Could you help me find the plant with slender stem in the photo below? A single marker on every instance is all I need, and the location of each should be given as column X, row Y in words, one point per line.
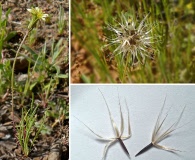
column 37, row 15
column 118, row 134
column 158, row 135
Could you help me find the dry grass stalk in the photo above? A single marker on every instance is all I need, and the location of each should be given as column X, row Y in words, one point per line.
column 158, row 135
column 118, row 134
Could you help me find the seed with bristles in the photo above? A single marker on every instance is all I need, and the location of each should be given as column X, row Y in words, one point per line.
column 159, row 135
column 119, row 135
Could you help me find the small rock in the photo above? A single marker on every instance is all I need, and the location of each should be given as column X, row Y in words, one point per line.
column 14, row 117
column 3, row 128
column 22, row 77
column 2, row 135
column 54, row 156
column 7, row 136
column 8, row 145
column 37, row 158
column 9, row 125
column 45, row 158
column 18, row 151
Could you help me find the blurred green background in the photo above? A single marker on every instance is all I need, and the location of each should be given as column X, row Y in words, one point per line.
column 174, row 61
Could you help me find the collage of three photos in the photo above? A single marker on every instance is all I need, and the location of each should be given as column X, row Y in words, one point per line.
column 97, row 79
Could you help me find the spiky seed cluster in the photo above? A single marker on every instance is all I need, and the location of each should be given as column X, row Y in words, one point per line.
column 131, row 38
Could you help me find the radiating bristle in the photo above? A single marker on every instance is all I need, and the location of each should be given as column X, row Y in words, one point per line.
column 158, row 135
column 118, row 133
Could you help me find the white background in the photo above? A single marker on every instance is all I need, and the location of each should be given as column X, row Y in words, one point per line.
column 144, row 103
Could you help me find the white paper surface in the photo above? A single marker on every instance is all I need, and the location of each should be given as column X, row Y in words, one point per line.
column 144, row 103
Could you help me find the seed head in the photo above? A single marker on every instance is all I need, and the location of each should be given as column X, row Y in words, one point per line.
column 37, row 15
column 131, row 38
